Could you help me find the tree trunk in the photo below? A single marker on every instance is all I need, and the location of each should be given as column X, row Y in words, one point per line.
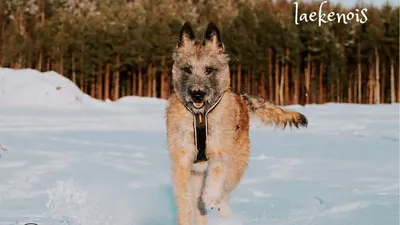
column 246, row 80
column 377, row 77
column 262, row 86
column 359, row 75
column 168, row 87
column 270, row 75
column 2, row 23
column 99, row 86
column 349, row 86
column 332, row 92
column 276, row 79
column 40, row 61
column 42, row 12
column 86, row 85
column 392, row 85
column 48, row 64
column 123, row 91
column 253, row 83
column 127, row 85
column 154, row 80
column 62, row 64
column 312, row 82
column 281, row 86
column 296, row 79
column 29, row 60
column 355, row 89
column 239, row 77
column 248, row 85
column 371, row 85
column 82, row 82
column 286, row 79
column 42, row 8
column 93, row 85
column 338, row 92
column 383, row 82
column 107, row 82
column 163, row 82
column 20, row 20
column 116, row 78
column 321, row 84
column 307, row 77
column 149, row 83
column 134, row 83
column 140, row 79
column 398, row 82
column 73, row 67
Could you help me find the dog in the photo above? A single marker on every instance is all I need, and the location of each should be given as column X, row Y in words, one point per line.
column 208, row 126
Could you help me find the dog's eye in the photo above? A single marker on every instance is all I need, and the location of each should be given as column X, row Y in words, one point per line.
column 187, row 69
column 210, row 70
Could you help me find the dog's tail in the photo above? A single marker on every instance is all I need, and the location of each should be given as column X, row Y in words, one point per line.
column 269, row 113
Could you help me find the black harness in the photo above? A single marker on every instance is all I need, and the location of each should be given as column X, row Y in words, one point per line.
column 201, row 131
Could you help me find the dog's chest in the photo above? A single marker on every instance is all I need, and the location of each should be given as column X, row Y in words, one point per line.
column 216, row 128
column 200, row 167
column 206, row 146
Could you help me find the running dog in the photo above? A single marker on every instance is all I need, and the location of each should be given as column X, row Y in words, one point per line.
column 208, row 126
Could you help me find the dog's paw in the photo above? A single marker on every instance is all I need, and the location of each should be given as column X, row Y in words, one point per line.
column 224, row 209
column 211, row 200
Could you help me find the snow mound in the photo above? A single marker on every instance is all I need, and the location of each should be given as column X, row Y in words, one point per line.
column 27, row 87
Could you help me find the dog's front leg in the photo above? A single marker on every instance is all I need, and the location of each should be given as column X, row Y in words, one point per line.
column 180, row 177
column 215, row 180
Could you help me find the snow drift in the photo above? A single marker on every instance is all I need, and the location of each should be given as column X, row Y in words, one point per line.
column 29, row 87
column 107, row 163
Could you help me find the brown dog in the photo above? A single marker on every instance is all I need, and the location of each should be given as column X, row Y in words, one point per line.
column 208, row 126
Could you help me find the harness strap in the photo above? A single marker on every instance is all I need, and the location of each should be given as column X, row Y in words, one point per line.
column 201, row 131
column 200, row 135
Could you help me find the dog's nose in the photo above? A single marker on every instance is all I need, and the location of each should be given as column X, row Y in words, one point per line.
column 197, row 95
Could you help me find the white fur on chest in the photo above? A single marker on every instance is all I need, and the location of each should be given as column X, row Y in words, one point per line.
column 200, row 167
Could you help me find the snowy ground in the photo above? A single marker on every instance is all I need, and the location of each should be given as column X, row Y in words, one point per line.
column 77, row 161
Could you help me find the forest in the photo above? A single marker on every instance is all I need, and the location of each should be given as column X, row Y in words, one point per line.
column 117, row 48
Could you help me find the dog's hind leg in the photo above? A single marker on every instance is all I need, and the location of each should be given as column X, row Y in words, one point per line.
column 197, row 187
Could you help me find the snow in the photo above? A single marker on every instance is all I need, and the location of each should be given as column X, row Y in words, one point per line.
column 31, row 88
column 74, row 160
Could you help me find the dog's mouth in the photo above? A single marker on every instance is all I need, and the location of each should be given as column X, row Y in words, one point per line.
column 198, row 105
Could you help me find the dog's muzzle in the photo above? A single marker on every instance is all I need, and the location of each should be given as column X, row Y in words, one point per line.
column 198, row 98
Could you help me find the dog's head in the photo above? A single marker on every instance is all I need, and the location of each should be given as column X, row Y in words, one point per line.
column 200, row 72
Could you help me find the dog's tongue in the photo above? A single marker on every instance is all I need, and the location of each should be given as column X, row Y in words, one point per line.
column 198, row 104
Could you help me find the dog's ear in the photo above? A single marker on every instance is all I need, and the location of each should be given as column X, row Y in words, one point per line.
column 212, row 36
column 185, row 35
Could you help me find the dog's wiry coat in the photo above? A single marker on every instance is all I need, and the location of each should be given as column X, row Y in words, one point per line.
column 200, row 78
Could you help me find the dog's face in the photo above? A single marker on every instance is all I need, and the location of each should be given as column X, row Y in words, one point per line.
column 200, row 72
